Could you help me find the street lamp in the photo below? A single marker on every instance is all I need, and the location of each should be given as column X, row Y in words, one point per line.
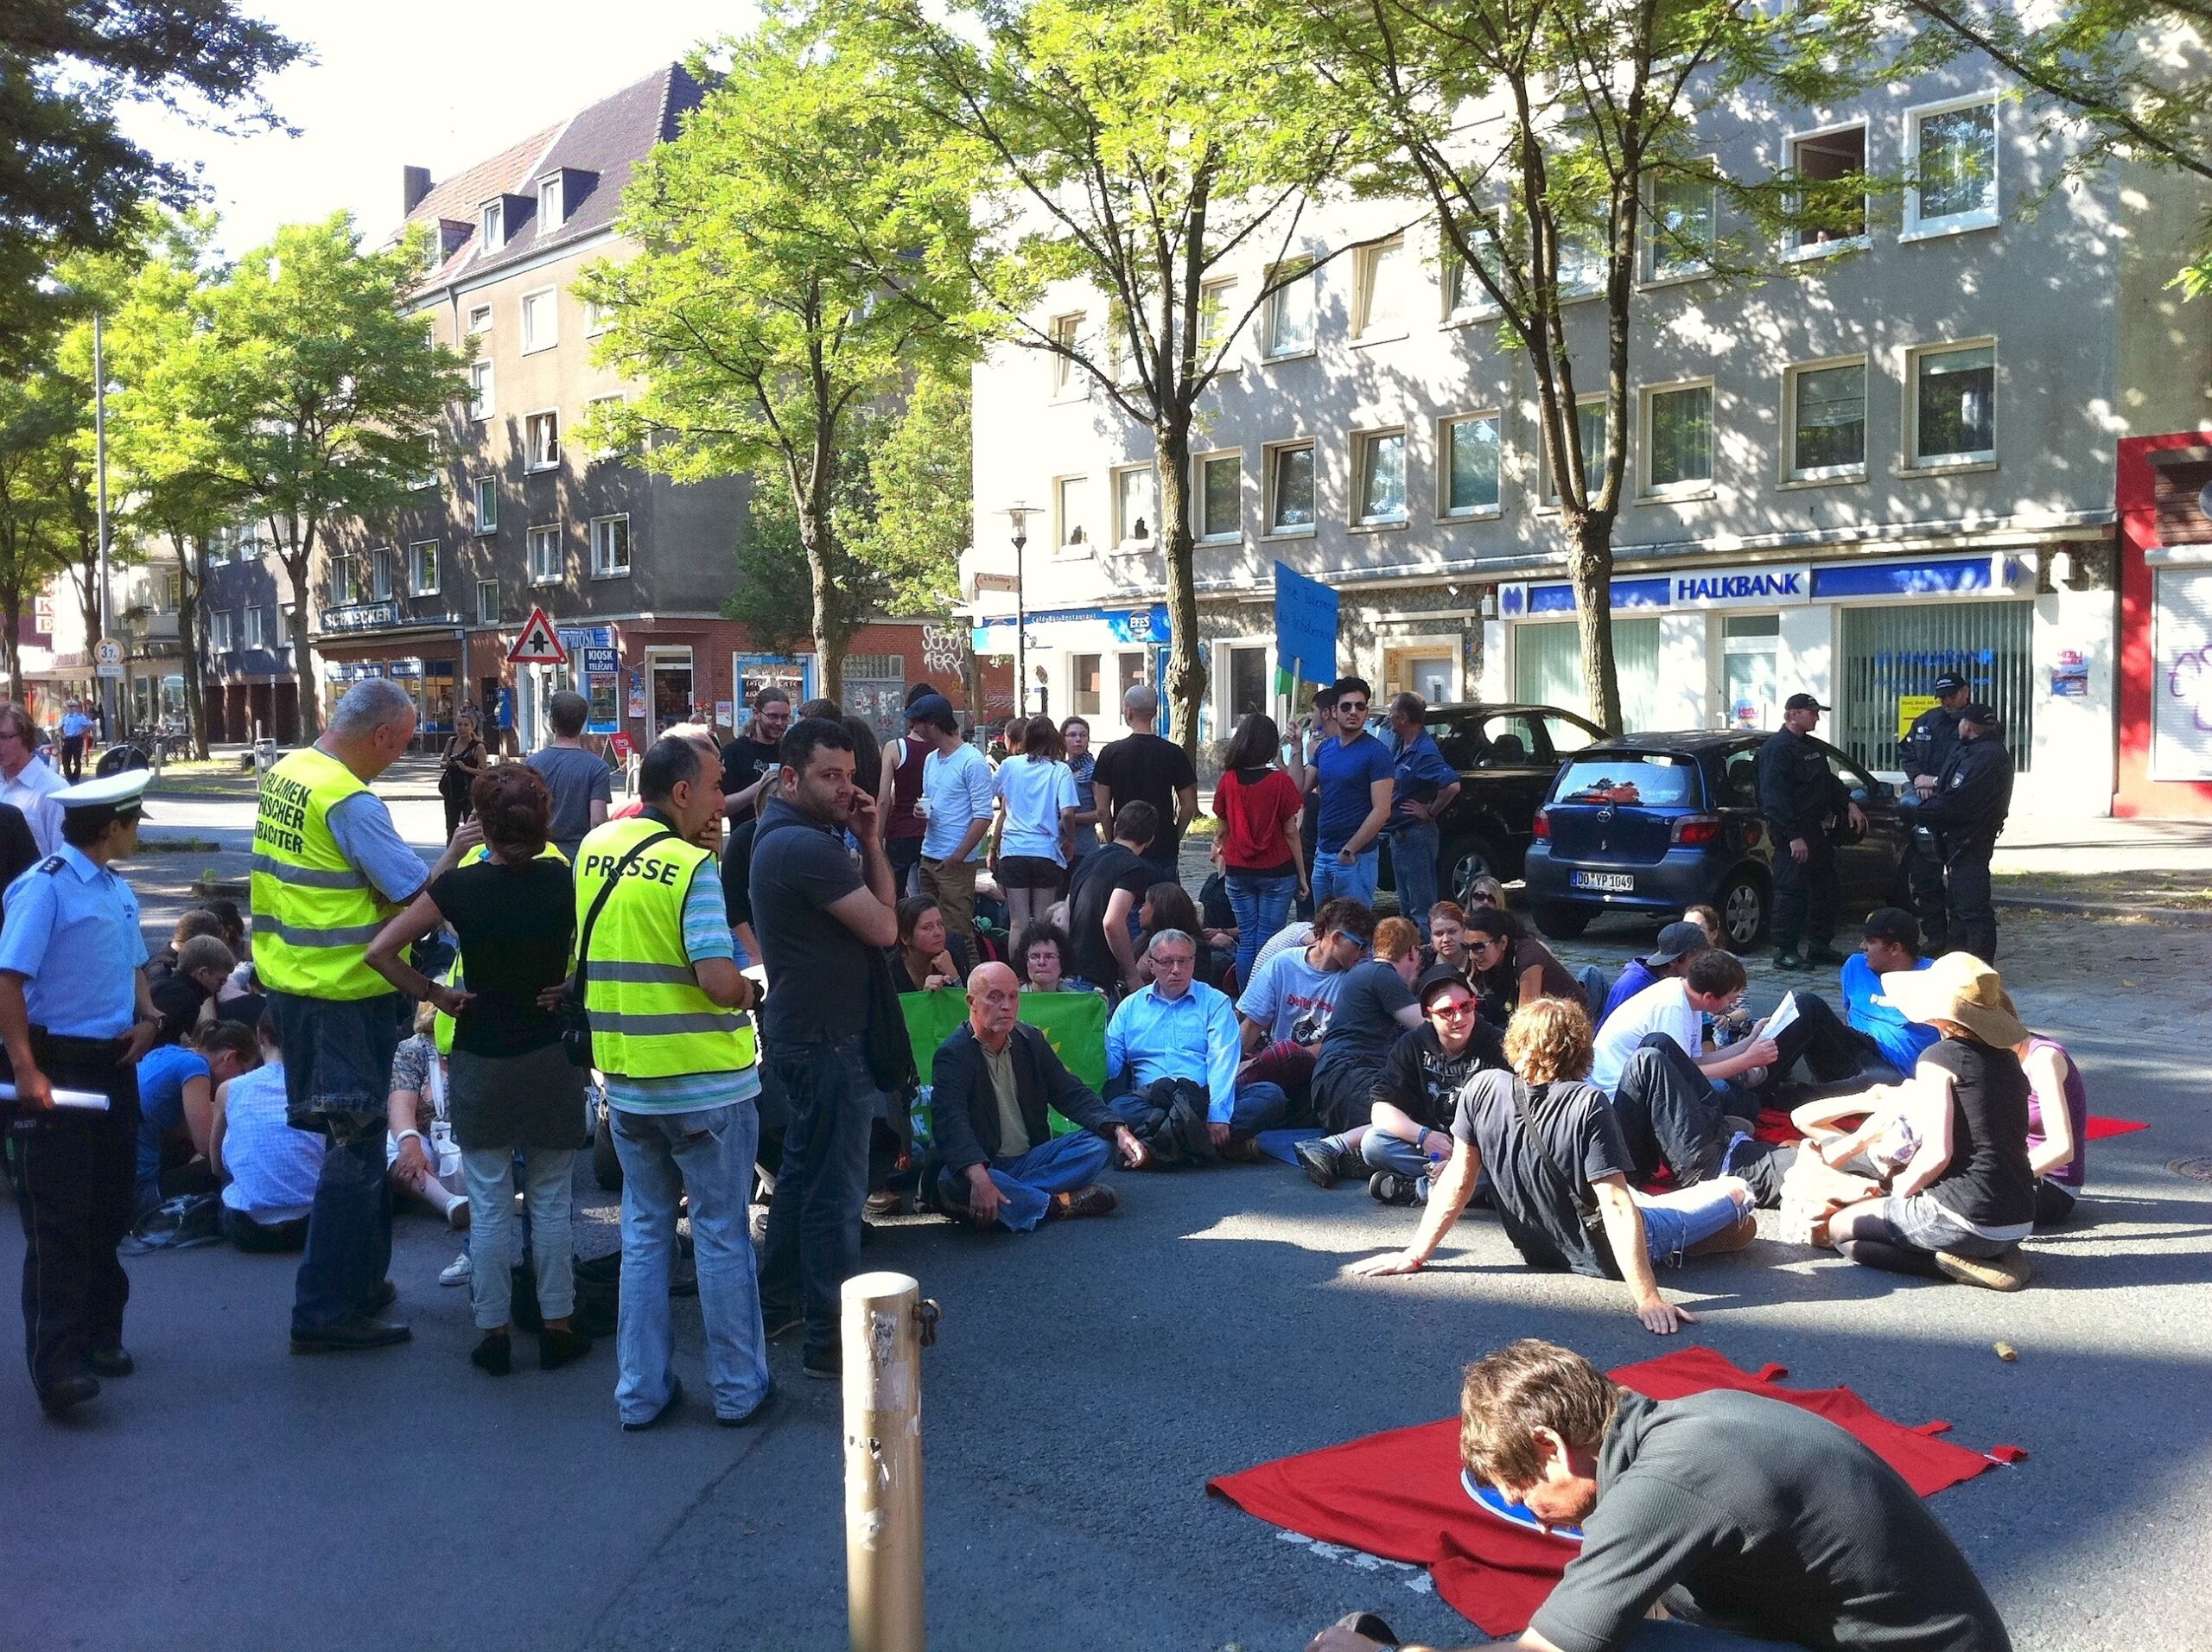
column 1018, row 518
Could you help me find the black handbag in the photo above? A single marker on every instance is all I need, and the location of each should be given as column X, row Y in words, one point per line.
column 576, row 1025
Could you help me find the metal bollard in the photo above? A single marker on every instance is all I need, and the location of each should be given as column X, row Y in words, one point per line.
column 885, row 1325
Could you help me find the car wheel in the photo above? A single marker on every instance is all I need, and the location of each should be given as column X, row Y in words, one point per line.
column 1744, row 911
column 1467, row 859
column 606, row 1168
column 1562, row 922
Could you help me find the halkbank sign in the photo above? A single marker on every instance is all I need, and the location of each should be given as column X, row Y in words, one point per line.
column 1763, row 587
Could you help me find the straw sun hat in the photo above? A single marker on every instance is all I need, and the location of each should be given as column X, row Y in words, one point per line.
column 1960, row 987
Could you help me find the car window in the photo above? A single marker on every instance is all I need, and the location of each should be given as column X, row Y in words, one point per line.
column 1513, row 741
column 1460, row 740
column 1740, row 778
column 1854, row 778
column 1652, row 779
column 1567, row 736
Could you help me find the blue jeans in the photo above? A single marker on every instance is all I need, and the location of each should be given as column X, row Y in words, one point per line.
column 549, row 1193
column 1380, row 1150
column 813, row 1243
column 1028, row 1181
column 349, row 1226
column 1262, row 906
column 1413, row 864
column 708, row 1154
column 1689, row 1215
column 1332, row 877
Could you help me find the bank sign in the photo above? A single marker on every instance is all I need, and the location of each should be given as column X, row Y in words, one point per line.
column 1704, row 587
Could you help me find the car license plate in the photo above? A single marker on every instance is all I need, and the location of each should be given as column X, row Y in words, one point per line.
column 1613, row 883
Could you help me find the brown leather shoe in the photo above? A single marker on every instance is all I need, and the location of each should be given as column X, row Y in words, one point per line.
column 1097, row 1199
column 1241, row 1150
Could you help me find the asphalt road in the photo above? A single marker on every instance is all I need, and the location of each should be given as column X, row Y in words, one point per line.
column 1088, row 1379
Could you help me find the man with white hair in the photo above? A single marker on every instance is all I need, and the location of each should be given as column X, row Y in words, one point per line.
column 328, row 868
column 1173, row 1052
column 1141, row 767
column 26, row 782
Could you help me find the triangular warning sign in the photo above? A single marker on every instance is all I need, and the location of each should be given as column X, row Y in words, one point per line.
column 539, row 643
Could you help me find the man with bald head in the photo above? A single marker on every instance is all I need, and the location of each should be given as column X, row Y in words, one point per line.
column 996, row 1160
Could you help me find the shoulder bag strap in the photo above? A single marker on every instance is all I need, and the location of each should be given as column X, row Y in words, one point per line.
column 599, row 904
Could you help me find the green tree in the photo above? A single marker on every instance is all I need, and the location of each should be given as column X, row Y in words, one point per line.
column 788, row 280
column 772, row 596
column 1135, row 147
column 38, row 425
column 70, row 180
column 320, row 394
column 920, row 496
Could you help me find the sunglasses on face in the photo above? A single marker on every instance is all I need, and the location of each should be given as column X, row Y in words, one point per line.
column 1454, row 1009
column 1484, row 945
column 1351, row 708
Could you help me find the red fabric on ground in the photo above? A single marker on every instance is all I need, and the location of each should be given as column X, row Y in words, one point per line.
column 2099, row 1128
column 1774, row 1126
column 1398, row 1494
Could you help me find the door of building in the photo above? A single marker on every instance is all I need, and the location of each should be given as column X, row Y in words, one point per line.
column 1750, row 648
column 669, row 686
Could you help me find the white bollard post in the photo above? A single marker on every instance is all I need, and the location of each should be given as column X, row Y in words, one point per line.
column 885, row 1325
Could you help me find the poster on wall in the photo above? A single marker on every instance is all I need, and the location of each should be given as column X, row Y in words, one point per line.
column 2181, row 680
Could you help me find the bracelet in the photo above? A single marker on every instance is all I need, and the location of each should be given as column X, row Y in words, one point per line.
column 403, row 1134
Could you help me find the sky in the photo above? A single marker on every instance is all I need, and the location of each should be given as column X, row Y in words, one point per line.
column 435, row 83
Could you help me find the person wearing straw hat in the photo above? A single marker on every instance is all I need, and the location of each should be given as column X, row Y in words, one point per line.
column 1961, row 1206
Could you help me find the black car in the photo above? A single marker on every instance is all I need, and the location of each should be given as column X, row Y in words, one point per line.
column 1656, row 823
column 1506, row 756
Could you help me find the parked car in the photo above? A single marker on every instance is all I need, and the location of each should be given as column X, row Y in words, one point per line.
column 1507, row 756
column 1656, row 823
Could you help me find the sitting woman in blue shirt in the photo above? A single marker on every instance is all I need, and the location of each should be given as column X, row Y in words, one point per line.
column 176, row 1109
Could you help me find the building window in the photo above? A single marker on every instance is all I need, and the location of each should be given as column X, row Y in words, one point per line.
column 422, row 567
column 1464, row 293
column 1379, row 290
column 1136, row 506
column 480, row 390
column 544, row 556
column 610, row 548
column 480, row 320
column 487, row 602
column 1083, row 683
column 1213, row 314
column 1954, row 404
column 542, row 440
column 1581, row 261
column 484, row 499
column 541, row 319
column 598, row 317
column 1678, row 440
column 219, row 631
column 1221, row 506
column 1290, row 488
column 345, row 579
column 549, row 203
column 257, row 627
column 1590, row 431
column 1471, row 447
column 595, row 413
column 1288, row 313
column 1827, row 419
column 381, row 574
column 1379, row 458
column 1951, row 169
column 492, row 220
column 1684, row 229
column 1063, row 329
column 427, row 477
column 1071, row 516
column 1829, row 157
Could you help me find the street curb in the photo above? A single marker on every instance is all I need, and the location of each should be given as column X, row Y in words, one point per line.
column 2185, row 918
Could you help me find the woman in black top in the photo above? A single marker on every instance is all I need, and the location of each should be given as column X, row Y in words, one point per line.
column 1168, row 905
column 465, row 761
column 1511, row 967
column 512, row 1087
column 927, row 956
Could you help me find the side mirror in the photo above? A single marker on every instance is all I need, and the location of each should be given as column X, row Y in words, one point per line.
column 1859, row 794
column 1886, row 791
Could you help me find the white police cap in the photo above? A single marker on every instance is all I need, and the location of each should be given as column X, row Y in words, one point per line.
column 122, row 792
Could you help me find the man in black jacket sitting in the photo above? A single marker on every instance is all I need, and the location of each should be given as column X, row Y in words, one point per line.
column 998, row 1159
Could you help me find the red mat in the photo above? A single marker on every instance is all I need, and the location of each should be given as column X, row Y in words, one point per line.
column 1398, row 1494
column 2099, row 1128
column 1774, row 1126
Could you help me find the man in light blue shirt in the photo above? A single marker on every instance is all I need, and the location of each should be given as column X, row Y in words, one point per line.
column 958, row 794
column 1423, row 786
column 1173, row 1052
column 75, row 726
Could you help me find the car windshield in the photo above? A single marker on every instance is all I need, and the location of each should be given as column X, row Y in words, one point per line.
column 1647, row 778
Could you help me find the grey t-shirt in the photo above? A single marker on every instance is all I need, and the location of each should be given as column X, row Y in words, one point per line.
column 1755, row 1515
column 576, row 779
column 362, row 827
column 817, row 968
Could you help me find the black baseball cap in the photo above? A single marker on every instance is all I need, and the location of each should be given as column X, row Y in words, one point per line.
column 1802, row 702
column 1434, row 979
column 1674, row 940
column 1949, row 683
column 1894, row 923
column 1980, row 712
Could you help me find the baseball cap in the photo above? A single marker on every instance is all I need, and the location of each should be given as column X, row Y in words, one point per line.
column 1980, row 712
column 1893, row 923
column 1435, row 977
column 1949, row 683
column 932, row 709
column 1675, row 941
column 1802, row 702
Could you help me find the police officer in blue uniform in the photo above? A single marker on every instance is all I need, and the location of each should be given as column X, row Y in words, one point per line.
column 1927, row 746
column 75, row 1015
column 1966, row 812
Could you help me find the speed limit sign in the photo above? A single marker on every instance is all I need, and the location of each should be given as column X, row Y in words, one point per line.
column 107, row 658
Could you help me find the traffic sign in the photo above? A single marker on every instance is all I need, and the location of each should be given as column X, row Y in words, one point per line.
column 539, row 643
column 107, row 658
column 1004, row 583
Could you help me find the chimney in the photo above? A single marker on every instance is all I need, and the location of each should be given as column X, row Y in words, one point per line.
column 414, row 184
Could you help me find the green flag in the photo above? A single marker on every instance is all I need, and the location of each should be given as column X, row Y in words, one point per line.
column 1074, row 1024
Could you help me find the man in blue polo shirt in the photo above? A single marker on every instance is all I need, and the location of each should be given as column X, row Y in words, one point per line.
column 1422, row 787
column 1891, row 947
column 1353, row 774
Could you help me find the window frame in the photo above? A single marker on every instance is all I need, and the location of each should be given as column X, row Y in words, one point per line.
column 1444, row 426
column 1363, row 444
column 379, row 563
column 531, row 463
column 1543, row 455
column 486, row 523
column 1475, row 303
column 530, row 345
column 1122, row 542
column 629, row 547
column 491, row 224
column 1368, row 265
column 549, row 188
column 1067, row 381
column 598, row 317
column 219, row 636
column 1271, row 467
column 1794, row 476
column 1801, row 251
column 1918, row 228
column 1309, row 276
column 1213, row 316
column 256, row 627
column 599, row 455
column 1912, row 461
column 1651, row 492
column 491, row 616
column 483, row 390
column 540, row 534
column 1061, row 547
column 414, row 582
column 1649, row 274
column 472, row 330
column 1198, row 463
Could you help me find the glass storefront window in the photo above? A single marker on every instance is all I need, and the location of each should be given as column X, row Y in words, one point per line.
column 1548, row 668
column 1895, row 652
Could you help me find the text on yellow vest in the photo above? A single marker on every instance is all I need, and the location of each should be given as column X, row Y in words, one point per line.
column 315, row 912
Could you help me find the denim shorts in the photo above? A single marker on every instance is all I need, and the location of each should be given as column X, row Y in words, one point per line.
column 1670, row 1229
column 1925, row 1222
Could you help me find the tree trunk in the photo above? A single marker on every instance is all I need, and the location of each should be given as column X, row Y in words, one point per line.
column 11, row 647
column 296, row 567
column 1186, row 667
column 815, row 532
column 187, row 630
column 1590, row 566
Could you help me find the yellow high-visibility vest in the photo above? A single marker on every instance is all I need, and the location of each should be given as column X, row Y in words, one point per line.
column 315, row 912
column 649, row 1018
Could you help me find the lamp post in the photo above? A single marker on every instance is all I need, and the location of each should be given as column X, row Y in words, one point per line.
column 1017, row 517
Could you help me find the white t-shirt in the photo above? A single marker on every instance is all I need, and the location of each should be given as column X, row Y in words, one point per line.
column 1290, row 998
column 1034, row 791
column 1663, row 1007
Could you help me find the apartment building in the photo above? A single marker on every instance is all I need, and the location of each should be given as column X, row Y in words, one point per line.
column 514, row 513
column 1897, row 455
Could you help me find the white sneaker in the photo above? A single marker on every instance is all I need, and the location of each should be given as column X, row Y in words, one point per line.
column 457, row 1271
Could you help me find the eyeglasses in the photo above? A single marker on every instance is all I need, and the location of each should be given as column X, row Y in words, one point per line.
column 1484, row 945
column 1355, row 707
column 1455, row 1009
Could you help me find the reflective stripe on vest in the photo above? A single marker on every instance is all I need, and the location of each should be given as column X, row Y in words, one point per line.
column 314, row 912
column 649, row 1018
